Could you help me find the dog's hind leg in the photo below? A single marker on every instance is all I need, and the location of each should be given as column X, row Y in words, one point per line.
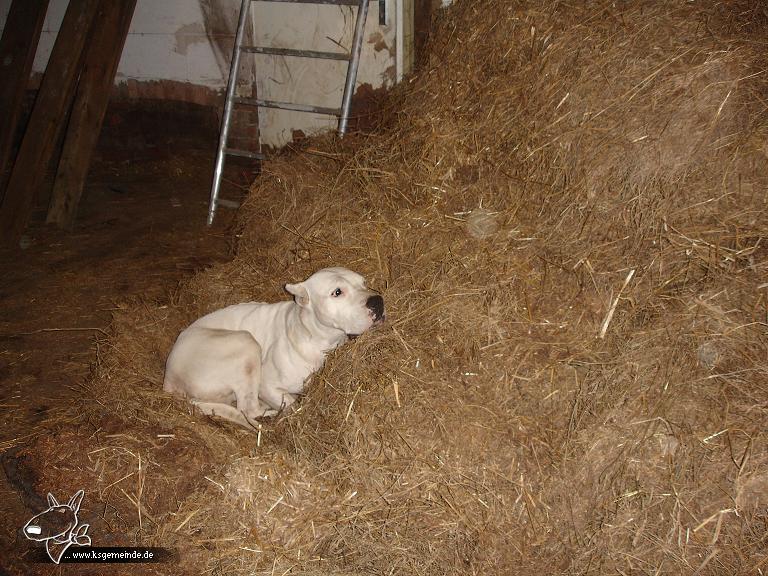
column 226, row 366
column 231, row 413
column 276, row 398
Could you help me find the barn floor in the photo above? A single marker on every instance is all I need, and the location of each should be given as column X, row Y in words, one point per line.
column 140, row 231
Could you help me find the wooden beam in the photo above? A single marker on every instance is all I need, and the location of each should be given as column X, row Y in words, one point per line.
column 17, row 52
column 48, row 117
column 100, row 65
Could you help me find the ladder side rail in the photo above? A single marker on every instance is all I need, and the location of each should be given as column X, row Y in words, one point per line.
column 354, row 63
column 228, row 102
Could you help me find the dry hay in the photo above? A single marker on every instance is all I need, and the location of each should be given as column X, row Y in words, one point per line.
column 566, row 213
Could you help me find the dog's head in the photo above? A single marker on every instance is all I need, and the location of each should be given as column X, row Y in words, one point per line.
column 56, row 522
column 339, row 299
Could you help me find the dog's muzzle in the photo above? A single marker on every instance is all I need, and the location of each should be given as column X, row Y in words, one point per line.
column 376, row 305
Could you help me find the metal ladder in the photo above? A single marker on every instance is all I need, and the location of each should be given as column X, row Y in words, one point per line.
column 343, row 113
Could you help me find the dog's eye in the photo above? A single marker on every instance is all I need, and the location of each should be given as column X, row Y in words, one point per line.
column 336, row 293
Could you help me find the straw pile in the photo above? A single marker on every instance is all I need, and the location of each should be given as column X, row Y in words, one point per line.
column 566, row 213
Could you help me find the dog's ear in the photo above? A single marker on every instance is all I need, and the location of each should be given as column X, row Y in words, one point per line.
column 76, row 500
column 300, row 293
column 52, row 500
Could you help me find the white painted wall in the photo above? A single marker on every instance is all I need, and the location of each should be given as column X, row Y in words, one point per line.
column 168, row 41
column 312, row 81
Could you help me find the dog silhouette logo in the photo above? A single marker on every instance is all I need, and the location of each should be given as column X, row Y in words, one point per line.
column 59, row 527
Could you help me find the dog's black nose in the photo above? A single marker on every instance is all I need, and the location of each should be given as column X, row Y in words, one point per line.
column 376, row 305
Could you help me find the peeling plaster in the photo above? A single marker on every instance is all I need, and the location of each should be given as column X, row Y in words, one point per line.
column 220, row 23
column 187, row 35
column 380, row 43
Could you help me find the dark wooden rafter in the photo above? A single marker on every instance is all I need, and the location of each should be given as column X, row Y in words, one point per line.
column 48, row 117
column 17, row 53
column 100, row 63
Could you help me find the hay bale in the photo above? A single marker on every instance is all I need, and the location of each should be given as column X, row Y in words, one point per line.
column 577, row 387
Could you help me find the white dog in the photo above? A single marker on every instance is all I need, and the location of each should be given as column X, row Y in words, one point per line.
column 259, row 355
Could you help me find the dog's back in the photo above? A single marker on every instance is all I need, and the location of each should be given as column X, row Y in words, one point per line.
column 230, row 318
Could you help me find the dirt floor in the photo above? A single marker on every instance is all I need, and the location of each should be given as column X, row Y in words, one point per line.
column 140, row 231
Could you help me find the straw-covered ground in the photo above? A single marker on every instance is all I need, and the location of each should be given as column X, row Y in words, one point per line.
column 565, row 211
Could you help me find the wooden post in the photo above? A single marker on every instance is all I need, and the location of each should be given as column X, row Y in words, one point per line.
column 48, row 117
column 17, row 52
column 100, row 65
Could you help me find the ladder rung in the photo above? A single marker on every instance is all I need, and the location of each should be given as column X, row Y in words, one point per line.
column 289, row 105
column 332, row 2
column 297, row 53
column 342, row 112
column 244, row 153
